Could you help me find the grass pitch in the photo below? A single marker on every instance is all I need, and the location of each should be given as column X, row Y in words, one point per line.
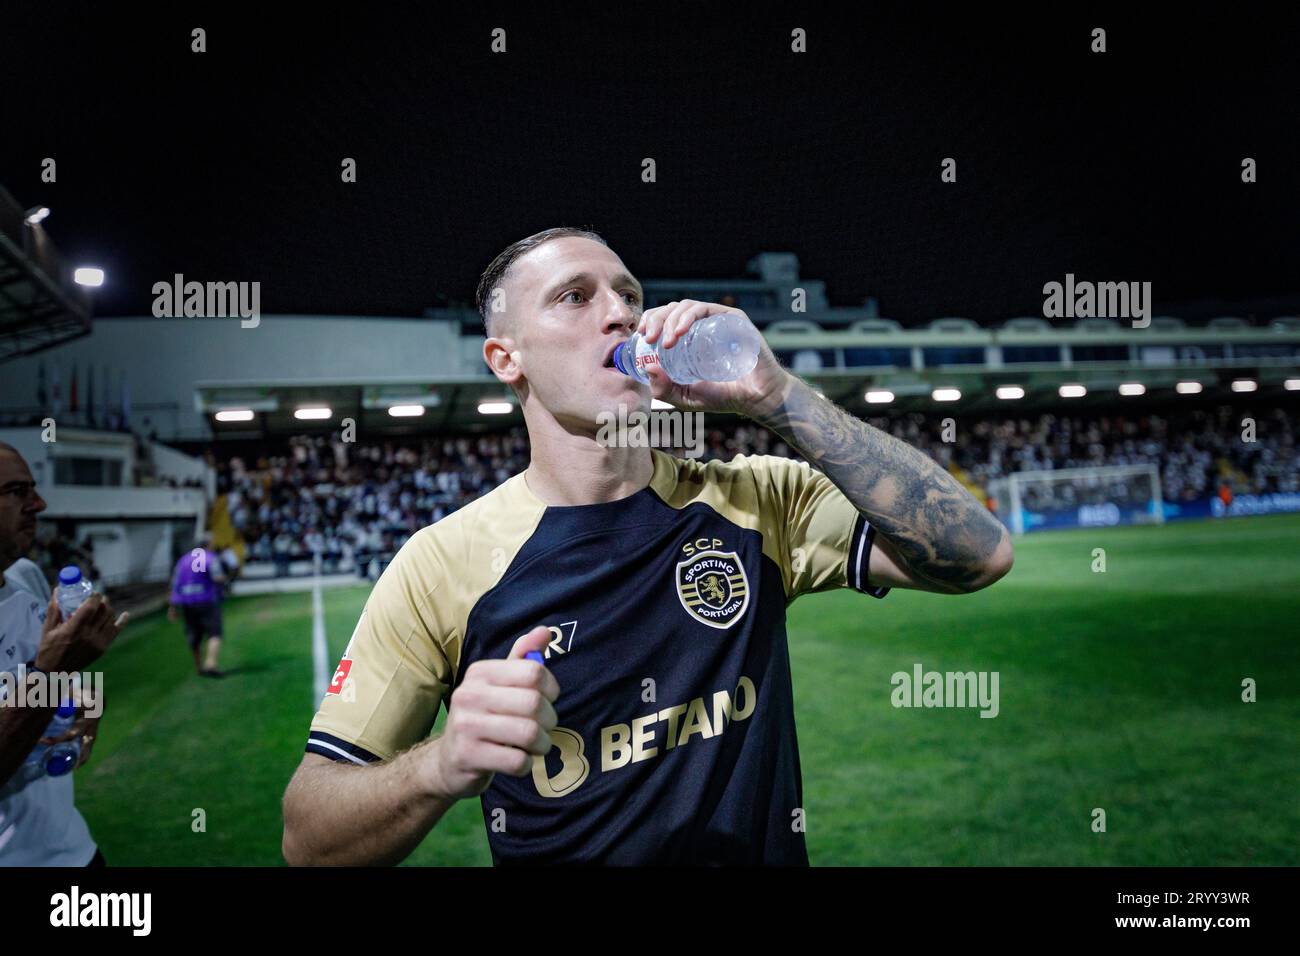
column 1119, row 690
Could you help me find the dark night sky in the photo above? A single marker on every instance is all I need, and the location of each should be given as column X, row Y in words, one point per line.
column 225, row 165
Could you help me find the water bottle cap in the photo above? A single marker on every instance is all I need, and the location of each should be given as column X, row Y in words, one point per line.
column 66, row 709
column 70, row 575
column 618, row 358
column 60, row 763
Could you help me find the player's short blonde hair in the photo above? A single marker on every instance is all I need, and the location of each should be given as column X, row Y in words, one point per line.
column 499, row 269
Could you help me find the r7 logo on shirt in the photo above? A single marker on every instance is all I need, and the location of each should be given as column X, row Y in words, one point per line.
column 561, row 638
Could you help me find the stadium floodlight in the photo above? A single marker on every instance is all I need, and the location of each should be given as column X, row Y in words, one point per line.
column 945, row 394
column 406, row 411
column 234, row 415
column 36, row 215
column 89, row 276
column 879, row 396
column 1008, row 392
column 1132, row 388
column 1244, row 385
column 312, row 412
column 1072, row 390
column 495, row 408
column 1292, row 384
column 1188, row 388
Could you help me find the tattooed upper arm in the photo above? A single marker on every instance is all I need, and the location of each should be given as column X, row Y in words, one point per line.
column 937, row 535
column 886, row 568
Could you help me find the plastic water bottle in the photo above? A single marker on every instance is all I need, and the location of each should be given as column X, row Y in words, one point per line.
column 54, row 760
column 60, row 758
column 73, row 590
column 717, row 348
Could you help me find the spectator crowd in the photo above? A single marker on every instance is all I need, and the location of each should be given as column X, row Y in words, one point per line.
column 355, row 504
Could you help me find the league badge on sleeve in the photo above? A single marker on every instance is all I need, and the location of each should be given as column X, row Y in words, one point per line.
column 340, row 676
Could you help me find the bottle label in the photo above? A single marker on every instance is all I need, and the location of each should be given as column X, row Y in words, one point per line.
column 645, row 356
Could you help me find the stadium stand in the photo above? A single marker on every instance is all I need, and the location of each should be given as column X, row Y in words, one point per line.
column 354, row 505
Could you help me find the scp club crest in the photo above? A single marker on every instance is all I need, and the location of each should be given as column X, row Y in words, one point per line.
column 713, row 588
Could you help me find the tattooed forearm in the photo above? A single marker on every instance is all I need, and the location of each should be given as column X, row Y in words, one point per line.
column 940, row 529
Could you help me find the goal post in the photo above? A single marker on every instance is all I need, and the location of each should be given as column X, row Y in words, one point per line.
column 1080, row 497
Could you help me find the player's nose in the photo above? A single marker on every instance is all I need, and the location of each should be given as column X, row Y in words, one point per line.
column 621, row 315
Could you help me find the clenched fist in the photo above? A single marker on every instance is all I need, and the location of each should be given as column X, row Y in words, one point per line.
column 499, row 719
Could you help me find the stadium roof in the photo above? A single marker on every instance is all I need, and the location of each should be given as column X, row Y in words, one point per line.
column 40, row 305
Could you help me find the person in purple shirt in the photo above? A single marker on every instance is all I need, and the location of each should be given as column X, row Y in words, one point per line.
column 196, row 594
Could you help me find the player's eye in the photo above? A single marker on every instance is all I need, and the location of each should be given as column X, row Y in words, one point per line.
column 566, row 295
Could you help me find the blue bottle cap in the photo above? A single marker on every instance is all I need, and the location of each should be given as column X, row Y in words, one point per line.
column 618, row 358
column 536, row 656
column 66, row 709
column 70, row 575
column 60, row 763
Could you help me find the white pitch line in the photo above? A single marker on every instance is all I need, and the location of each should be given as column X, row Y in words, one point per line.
column 319, row 651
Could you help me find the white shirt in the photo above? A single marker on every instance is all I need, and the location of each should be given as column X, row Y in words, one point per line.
column 39, row 825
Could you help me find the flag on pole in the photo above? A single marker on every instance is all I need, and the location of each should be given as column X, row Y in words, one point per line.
column 57, row 405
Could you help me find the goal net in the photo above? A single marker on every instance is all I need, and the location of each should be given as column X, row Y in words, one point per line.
column 1080, row 497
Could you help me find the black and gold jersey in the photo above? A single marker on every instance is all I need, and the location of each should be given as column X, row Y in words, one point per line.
column 676, row 739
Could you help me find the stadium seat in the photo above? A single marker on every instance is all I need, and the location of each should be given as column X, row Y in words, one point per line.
column 887, row 326
column 793, row 326
column 954, row 326
column 1167, row 323
column 1227, row 323
column 1027, row 323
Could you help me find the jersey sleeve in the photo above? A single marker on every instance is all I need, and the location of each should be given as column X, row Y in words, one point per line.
column 823, row 541
column 385, row 693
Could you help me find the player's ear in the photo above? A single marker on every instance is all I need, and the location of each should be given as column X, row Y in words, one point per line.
column 502, row 357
